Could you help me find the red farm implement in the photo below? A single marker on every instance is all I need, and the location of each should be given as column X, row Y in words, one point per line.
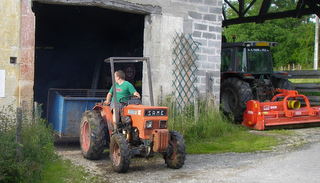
column 286, row 108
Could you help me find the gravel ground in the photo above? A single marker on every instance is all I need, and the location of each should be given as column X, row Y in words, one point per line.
column 296, row 160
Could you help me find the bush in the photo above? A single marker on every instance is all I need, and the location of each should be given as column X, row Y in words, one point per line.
column 36, row 151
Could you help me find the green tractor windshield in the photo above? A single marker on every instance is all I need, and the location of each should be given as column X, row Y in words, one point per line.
column 246, row 59
column 259, row 60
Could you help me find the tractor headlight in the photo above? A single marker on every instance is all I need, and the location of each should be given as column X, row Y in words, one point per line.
column 149, row 124
column 163, row 124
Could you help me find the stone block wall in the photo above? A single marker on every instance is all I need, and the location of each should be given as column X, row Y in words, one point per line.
column 200, row 18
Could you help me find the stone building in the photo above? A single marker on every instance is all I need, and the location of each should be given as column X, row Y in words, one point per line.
column 58, row 43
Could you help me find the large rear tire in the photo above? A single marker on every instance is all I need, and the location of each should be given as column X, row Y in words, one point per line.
column 175, row 155
column 234, row 95
column 119, row 153
column 92, row 135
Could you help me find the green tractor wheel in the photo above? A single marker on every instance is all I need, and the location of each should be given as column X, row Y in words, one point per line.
column 234, row 95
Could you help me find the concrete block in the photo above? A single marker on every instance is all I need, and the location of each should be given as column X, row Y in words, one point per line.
column 215, row 43
column 219, row 37
column 197, row 34
column 210, row 17
column 200, row 26
column 203, row 9
column 196, row 1
column 215, row 29
column 215, row 10
column 218, row 66
column 201, row 72
column 209, row 35
column 215, row 59
column 209, row 51
column 203, row 42
column 211, row 2
column 216, row 88
column 195, row 15
column 203, row 57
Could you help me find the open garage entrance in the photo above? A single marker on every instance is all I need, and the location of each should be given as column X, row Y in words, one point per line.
column 73, row 41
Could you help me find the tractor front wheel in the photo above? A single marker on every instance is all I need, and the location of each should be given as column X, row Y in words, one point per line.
column 119, row 153
column 175, row 155
column 92, row 134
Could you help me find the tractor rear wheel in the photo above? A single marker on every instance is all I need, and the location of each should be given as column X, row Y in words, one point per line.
column 234, row 95
column 92, row 134
column 119, row 153
column 175, row 155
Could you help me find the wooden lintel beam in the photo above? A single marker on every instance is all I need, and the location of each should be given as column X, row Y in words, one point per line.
column 241, row 8
column 268, row 16
column 265, row 7
column 314, row 5
column 300, row 6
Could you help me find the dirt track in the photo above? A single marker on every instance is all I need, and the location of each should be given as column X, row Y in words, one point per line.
column 228, row 167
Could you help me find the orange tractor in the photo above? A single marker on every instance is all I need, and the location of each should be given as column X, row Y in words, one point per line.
column 286, row 108
column 138, row 130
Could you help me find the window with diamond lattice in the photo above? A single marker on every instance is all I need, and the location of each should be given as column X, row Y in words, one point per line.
column 184, row 69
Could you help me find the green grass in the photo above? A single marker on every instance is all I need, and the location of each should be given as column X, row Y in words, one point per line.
column 240, row 141
column 61, row 171
column 305, row 80
column 212, row 132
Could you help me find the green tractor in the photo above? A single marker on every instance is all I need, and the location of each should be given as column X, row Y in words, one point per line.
column 247, row 74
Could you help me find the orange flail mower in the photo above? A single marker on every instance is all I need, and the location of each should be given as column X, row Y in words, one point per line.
column 286, row 108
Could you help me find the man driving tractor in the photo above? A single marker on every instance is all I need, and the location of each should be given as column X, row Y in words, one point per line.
column 124, row 89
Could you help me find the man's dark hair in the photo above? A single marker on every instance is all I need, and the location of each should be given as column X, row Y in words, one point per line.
column 120, row 74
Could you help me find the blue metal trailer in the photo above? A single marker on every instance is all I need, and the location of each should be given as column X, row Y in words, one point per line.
column 65, row 108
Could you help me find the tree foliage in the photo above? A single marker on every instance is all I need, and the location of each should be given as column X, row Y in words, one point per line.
column 295, row 37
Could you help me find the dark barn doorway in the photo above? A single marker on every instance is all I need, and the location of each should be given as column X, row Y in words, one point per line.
column 72, row 42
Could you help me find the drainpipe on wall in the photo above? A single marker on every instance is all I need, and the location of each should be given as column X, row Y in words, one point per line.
column 316, row 45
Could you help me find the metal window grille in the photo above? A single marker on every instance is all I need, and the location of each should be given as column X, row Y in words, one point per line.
column 184, row 69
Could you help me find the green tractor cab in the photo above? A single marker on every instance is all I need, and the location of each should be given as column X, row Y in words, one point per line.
column 246, row 74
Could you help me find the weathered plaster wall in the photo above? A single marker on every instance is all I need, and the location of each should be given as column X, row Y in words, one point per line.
column 17, row 40
column 9, row 47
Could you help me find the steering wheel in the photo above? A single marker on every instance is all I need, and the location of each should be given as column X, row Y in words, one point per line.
column 131, row 99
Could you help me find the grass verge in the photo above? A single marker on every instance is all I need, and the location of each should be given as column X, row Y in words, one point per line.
column 62, row 171
column 240, row 141
column 212, row 132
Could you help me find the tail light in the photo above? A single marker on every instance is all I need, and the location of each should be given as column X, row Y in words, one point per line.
column 149, row 124
column 163, row 124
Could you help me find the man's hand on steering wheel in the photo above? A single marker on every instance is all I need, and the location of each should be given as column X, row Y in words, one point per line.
column 106, row 103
